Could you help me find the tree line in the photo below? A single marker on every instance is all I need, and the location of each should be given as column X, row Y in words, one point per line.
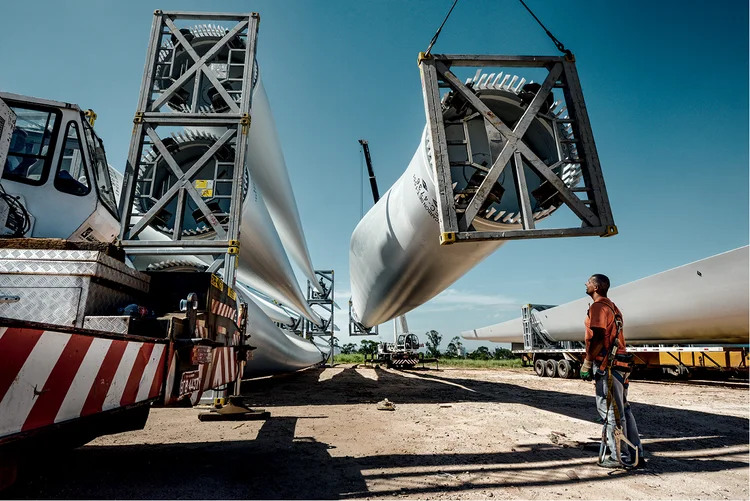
column 455, row 349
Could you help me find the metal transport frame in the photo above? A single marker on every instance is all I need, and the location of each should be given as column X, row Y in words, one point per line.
column 324, row 300
column 150, row 115
column 456, row 225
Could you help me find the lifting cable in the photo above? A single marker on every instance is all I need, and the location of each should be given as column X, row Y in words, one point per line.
column 437, row 33
column 568, row 55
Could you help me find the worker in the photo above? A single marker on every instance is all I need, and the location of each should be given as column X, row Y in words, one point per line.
column 607, row 362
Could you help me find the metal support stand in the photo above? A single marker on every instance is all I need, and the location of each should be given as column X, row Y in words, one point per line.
column 234, row 407
column 456, row 222
column 325, row 304
column 356, row 329
column 176, row 81
column 534, row 337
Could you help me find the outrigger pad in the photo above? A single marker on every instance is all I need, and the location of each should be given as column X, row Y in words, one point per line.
column 234, row 410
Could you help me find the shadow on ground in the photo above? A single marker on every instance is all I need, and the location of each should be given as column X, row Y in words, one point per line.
column 430, row 387
column 278, row 465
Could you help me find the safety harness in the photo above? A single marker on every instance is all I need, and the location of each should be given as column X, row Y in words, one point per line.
column 619, row 362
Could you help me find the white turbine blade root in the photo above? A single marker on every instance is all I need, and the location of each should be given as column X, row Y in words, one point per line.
column 396, row 262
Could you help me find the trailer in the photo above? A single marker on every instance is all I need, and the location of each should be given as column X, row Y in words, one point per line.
column 563, row 359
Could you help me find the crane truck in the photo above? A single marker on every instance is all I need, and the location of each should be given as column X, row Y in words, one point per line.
column 88, row 341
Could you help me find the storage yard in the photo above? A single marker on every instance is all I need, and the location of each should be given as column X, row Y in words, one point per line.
column 454, row 434
column 165, row 332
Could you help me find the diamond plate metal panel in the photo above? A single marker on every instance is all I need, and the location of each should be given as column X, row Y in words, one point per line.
column 71, row 262
column 54, row 305
column 40, row 281
column 60, row 299
column 48, row 267
column 113, row 324
column 49, row 254
column 123, row 268
column 135, row 282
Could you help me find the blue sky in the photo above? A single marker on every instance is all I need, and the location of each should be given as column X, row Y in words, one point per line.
column 666, row 86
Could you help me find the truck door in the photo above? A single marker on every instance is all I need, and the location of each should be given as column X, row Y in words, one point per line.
column 48, row 165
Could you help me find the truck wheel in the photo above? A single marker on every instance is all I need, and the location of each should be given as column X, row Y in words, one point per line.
column 564, row 369
column 539, row 367
column 551, row 368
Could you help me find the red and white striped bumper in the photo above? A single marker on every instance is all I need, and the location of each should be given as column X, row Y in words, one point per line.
column 49, row 377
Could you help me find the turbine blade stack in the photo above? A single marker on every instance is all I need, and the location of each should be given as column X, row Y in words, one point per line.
column 268, row 168
column 708, row 303
column 272, row 310
column 277, row 350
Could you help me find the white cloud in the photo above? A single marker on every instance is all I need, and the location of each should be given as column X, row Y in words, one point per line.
column 455, row 299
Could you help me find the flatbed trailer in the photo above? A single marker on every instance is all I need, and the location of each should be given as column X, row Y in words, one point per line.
column 673, row 360
column 563, row 359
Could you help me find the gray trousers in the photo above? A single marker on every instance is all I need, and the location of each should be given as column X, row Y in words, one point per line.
column 627, row 421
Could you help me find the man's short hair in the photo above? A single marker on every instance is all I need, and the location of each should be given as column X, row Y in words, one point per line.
column 602, row 281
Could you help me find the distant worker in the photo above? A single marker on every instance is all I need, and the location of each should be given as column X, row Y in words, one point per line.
column 610, row 364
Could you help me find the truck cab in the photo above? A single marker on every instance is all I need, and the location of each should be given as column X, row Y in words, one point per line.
column 56, row 169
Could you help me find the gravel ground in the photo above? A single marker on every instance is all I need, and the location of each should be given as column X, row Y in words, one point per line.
column 454, row 434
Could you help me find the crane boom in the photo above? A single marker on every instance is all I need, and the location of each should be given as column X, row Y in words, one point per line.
column 370, row 171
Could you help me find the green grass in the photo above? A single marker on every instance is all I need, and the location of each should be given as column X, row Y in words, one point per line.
column 358, row 358
column 467, row 363
column 353, row 358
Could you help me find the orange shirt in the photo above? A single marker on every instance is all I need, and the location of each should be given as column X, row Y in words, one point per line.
column 601, row 315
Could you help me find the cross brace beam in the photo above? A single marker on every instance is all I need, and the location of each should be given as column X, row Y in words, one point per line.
column 456, row 226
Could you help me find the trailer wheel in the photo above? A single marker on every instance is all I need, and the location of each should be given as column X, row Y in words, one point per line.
column 539, row 367
column 565, row 369
column 551, row 368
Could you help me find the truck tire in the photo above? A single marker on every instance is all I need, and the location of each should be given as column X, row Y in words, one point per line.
column 565, row 369
column 539, row 367
column 551, row 368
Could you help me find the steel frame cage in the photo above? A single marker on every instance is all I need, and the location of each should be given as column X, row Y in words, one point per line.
column 224, row 247
column 326, row 303
column 455, row 226
column 356, row 329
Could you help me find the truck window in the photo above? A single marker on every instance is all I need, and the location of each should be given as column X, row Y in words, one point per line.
column 100, row 168
column 71, row 172
column 32, row 145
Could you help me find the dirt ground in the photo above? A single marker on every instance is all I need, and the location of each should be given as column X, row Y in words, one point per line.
column 454, row 434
